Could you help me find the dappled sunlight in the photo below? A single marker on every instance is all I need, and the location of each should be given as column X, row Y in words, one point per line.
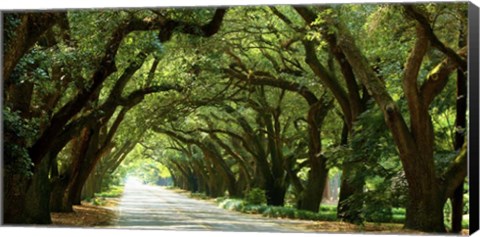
column 154, row 207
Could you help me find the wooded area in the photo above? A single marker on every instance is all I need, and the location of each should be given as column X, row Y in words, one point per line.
column 230, row 100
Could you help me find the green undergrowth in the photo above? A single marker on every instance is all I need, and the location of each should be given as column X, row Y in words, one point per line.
column 327, row 212
column 277, row 212
column 100, row 199
column 112, row 192
column 201, row 196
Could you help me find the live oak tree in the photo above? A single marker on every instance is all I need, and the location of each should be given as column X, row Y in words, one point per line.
column 428, row 190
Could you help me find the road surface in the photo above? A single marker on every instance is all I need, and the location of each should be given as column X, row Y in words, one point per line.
column 149, row 207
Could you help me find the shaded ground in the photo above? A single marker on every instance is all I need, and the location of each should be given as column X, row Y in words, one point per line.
column 148, row 207
column 86, row 215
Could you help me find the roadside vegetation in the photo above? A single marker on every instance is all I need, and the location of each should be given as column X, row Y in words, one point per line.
column 255, row 203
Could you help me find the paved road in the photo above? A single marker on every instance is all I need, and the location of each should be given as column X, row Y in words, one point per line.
column 148, row 207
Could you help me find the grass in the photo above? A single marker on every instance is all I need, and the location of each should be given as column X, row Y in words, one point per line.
column 100, row 199
column 112, row 192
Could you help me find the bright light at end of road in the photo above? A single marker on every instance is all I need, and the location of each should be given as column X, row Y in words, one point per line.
column 133, row 181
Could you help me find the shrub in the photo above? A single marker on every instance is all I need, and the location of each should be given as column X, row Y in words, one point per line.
column 233, row 204
column 255, row 209
column 98, row 201
column 328, row 208
column 277, row 212
column 220, row 199
column 112, row 192
column 256, row 196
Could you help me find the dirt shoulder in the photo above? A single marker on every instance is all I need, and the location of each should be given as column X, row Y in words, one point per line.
column 87, row 215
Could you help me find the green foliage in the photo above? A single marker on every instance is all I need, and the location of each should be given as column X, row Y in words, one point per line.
column 10, row 21
column 256, row 196
column 379, row 170
column 100, row 201
column 18, row 133
column 113, row 191
column 277, row 212
column 201, row 196
column 232, row 204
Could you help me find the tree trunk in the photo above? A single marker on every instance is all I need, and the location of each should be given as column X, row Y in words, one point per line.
column 312, row 195
column 58, row 198
column 347, row 209
column 326, row 191
column 425, row 209
column 86, row 165
column 92, row 185
column 221, row 167
column 275, row 194
column 349, row 206
column 19, row 97
column 15, row 186
column 317, row 176
column 37, row 201
column 457, row 209
column 99, row 182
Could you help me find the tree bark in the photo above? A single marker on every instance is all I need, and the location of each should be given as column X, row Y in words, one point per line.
column 37, row 199
column 58, row 199
column 317, row 176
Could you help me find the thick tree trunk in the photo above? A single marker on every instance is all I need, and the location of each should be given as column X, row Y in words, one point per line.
column 243, row 184
column 37, row 201
column 349, row 206
column 59, row 201
column 86, row 164
column 15, row 186
column 425, row 209
column 19, row 97
column 275, row 194
column 213, row 186
column 92, row 185
column 317, row 176
column 312, row 195
column 457, row 209
column 347, row 209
